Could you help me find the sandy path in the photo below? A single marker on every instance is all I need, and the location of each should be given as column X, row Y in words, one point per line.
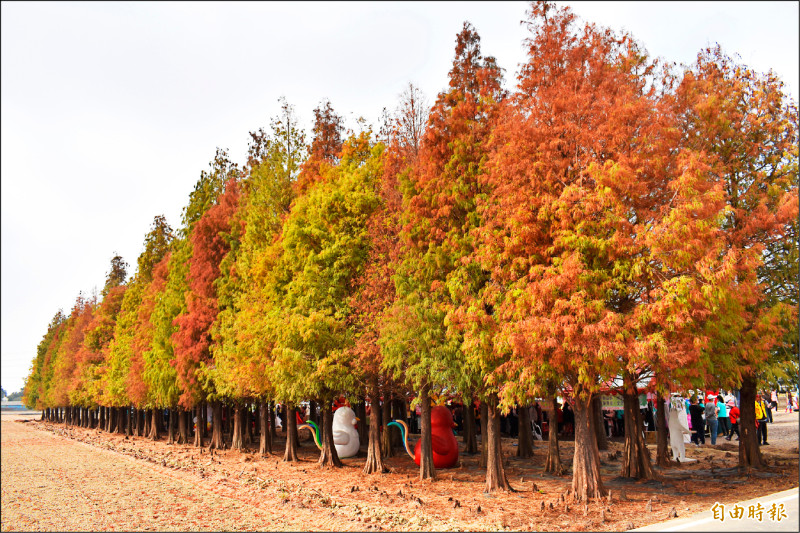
column 55, row 484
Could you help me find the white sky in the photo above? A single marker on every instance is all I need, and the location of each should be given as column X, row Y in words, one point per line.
column 111, row 110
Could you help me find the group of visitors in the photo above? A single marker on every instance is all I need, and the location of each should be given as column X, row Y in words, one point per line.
column 719, row 415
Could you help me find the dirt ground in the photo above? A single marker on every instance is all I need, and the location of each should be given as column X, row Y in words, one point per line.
column 59, row 478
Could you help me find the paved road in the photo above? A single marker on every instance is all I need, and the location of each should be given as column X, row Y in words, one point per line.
column 707, row 522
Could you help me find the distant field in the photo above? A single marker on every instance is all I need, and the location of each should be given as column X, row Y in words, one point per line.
column 16, row 407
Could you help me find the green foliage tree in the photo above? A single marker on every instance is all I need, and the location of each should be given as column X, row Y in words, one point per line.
column 323, row 246
column 242, row 348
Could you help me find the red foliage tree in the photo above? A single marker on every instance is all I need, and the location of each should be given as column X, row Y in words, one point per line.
column 192, row 339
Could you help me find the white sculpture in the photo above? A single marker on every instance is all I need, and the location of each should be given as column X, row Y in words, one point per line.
column 678, row 430
column 345, row 434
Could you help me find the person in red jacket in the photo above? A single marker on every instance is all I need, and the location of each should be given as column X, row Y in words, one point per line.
column 733, row 414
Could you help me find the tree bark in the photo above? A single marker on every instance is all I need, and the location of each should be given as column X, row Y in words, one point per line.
column 293, row 413
column 140, row 422
column 265, row 442
column 387, row 450
column 553, row 463
column 121, row 412
column 749, row 452
column 249, row 422
column 374, row 462
column 599, row 427
column 273, row 430
column 183, row 430
column 495, row 471
column 361, row 414
column 171, row 427
column 636, row 457
column 217, row 437
column 662, row 457
column 204, row 417
column 199, row 425
column 290, row 454
column 484, row 434
column 237, row 438
column 586, row 481
column 328, row 456
column 470, row 439
column 426, row 468
column 313, row 412
column 154, row 429
column 525, row 439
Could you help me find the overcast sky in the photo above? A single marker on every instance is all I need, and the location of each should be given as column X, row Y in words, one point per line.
column 111, row 110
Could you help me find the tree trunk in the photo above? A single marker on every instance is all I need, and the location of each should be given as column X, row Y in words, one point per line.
column 199, row 431
column 249, row 422
column 204, row 416
column 290, row 423
column 586, row 481
column 470, row 439
column 183, row 430
column 749, row 452
column 426, row 468
column 525, row 439
column 484, row 434
column 273, row 430
column 171, row 427
column 328, row 456
column 154, row 429
column 599, row 427
column 398, row 410
column 662, row 458
column 265, row 443
column 237, row 438
column 361, row 414
column 217, row 437
column 374, row 462
column 313, row 412
column 495, row 472
column 121, row 412
column 636, row 457
column 553, row 463
column 387, row 450
column 141, row 422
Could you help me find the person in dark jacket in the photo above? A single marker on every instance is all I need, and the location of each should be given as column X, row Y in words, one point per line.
column 698, row 424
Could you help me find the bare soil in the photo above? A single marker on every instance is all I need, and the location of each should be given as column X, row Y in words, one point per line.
column 69, row 479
